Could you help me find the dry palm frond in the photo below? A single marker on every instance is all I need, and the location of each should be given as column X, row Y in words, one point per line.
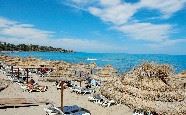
column 147, row 87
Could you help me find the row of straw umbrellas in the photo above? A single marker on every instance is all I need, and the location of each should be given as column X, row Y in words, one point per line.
column 24, row 62
column 149, row 87
column 60, row 68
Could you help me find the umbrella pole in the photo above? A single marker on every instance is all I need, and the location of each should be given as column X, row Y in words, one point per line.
column 18, row 73
column 62, row 89
column 27, row 75
column 12, row 68
column 91, row 72
column 80, row 83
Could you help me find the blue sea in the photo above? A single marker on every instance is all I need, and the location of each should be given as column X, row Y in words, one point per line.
column 122, row 62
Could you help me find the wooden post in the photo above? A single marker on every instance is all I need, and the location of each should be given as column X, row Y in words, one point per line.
column 12, row 68
column 80, row 83
column 27, row 75
column 18, row 73
column 91, row 71
column 62, row 88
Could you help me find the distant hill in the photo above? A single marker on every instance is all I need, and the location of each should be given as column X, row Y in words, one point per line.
column 23, row 47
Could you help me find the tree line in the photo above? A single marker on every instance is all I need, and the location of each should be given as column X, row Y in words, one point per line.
column 23, row 47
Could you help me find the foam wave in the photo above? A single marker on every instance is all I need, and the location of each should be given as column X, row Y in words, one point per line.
column 91, row 59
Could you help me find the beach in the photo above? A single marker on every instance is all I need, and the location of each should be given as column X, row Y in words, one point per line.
column 53, row 95
column 36, row 84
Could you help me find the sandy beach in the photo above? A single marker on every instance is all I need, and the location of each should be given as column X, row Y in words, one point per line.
column 148, row 88
column 53, row 95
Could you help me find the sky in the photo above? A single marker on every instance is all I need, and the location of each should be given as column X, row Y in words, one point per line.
column 110, row 26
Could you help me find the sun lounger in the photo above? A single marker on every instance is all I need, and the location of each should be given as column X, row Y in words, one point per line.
column 91, row 98
column 67, row 110
column 39, row 88
column 96, row 99
column 76, row 89
column 66, row 84
column 31, row 88
column 101, row 100
column 24, row 88
column 108, row 103
column 10, row 78
column 136, row 113
column 86, row 90
column 53, row 111
column 81, row 90
column 142, row 112
column 15, row 80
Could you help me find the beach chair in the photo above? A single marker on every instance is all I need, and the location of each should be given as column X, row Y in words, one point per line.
column 24, row 88
column 85, row 91
column 53, row 111
column 96, row 99
column 58, row 86
column 91, row 99
column 67, row 110
column 108, row 103
column 39, row 88
column 139, row 112
column 75, row 89
column 36, row 88
column 9, row 77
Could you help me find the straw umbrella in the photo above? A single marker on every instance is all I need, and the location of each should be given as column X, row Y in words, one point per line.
column 147, row 87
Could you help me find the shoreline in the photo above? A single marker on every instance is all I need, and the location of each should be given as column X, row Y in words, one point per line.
column 120, row 63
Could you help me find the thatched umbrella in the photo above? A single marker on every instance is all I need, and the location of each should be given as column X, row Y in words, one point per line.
column 179, row 81
column 147, row 87
column 55, row 74
column 107, row 71
column 102, row 79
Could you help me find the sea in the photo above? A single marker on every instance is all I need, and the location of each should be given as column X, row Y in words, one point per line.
column 121, row 61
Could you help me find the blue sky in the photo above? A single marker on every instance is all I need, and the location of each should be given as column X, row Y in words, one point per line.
column 128, row 26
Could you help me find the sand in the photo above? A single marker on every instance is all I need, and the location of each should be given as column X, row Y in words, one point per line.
column 53, row 95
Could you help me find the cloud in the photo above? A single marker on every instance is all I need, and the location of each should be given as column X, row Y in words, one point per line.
column 167, row 43
column 16, row 33
column 110, row 2
column 120, row 15
column 167, row 7
column 89, row 45
column 15, row 29
column 146, row 31
column 6, row 23
column 82, row 2
column 171, row 46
